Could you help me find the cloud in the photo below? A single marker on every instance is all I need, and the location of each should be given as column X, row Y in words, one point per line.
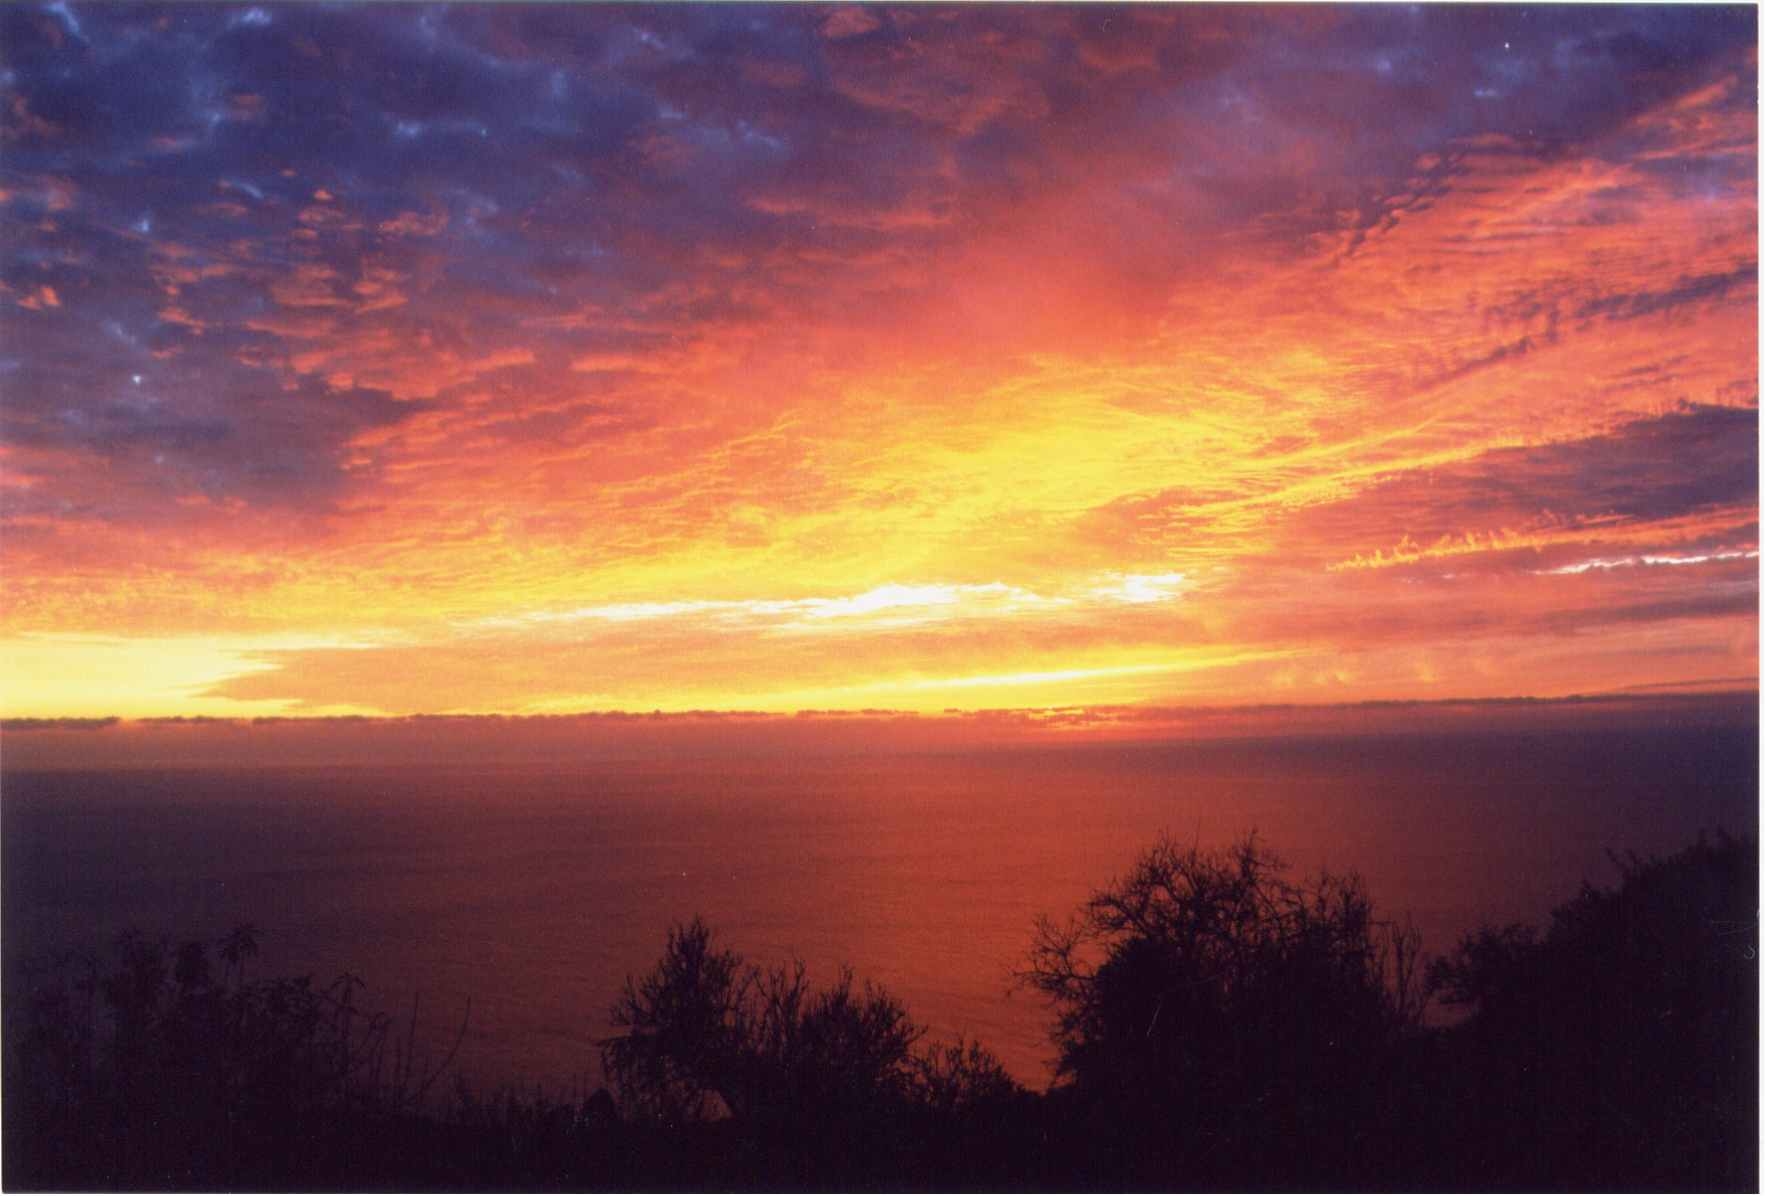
column 250, row 439
column 327, row 316
column 1654, row 561
column 1650, row 477
column 1696, row 289
column 850, row 21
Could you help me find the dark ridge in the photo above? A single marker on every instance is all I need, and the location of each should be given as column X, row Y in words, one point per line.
column 58, row 724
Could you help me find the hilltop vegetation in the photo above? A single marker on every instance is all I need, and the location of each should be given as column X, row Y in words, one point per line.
column 1218, row 1025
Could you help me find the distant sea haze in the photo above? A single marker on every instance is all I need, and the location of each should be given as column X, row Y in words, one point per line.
column 535, row 891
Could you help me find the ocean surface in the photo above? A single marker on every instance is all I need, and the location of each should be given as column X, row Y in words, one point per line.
column 535, row 892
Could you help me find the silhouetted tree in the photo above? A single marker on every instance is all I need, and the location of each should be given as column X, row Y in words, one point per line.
column 962, row 1078
column 1206, row 1005
column 682, row 1024
column 836, row 1051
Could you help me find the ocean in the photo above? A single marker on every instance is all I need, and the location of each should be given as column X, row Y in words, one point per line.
column 531, row 893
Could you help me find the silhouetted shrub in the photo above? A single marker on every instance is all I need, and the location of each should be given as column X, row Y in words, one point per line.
column 707, row 1034
column 1619, row 1049
column 164, row 1070
column 816, row 1086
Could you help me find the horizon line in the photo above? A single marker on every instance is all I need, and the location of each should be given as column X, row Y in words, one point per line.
column 1036, row 714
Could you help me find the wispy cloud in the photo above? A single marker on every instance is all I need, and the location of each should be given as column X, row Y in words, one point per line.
column 1648, row 560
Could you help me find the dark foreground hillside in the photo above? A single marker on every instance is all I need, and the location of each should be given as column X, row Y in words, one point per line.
column 1218, row 1024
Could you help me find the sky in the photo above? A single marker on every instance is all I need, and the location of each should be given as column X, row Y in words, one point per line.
column 398, row 359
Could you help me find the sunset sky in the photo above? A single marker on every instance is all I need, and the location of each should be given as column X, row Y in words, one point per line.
column 397, row 359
